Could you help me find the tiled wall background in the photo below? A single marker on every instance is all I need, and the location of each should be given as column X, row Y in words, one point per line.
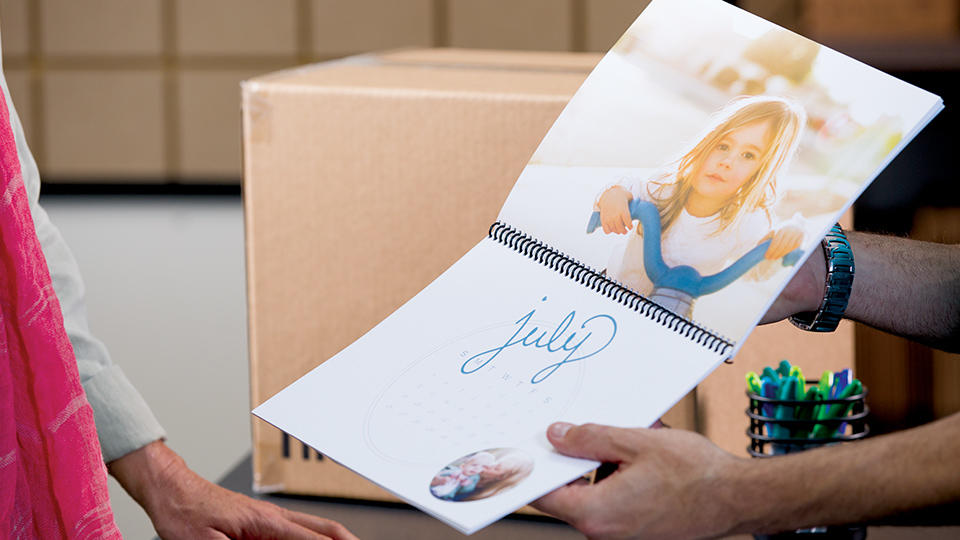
column 147, row 90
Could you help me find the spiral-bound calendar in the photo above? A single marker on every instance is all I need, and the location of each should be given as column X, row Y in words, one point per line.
column 694, row 171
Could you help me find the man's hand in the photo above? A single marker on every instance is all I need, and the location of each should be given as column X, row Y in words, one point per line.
column 669, row 484
column 181, row 504
column 676, row 484
column 803, row 293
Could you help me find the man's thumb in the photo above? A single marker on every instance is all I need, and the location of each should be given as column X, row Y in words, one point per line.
column 589, row 441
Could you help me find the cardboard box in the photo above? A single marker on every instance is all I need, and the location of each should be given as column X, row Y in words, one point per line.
column 347, row 163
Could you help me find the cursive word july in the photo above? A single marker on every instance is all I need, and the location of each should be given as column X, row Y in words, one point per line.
column 577, row 346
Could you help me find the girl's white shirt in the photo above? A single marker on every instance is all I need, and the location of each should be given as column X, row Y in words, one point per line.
column 692, row 241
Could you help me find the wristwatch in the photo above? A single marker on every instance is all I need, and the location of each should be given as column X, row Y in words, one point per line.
column 839, row 257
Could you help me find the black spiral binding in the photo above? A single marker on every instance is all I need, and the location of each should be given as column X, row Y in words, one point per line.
column 583, row 274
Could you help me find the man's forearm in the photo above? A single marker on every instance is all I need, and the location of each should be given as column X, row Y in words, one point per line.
column 859, row 482
column 907, row 287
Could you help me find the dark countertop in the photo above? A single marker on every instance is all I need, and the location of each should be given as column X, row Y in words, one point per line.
column 394, row 521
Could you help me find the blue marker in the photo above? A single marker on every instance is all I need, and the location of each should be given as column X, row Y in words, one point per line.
column 784, row 368
column 840, row 381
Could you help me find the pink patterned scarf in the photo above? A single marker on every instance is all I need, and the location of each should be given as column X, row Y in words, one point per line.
column 53, row 481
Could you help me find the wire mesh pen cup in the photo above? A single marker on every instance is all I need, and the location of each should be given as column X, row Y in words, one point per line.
column 773, row 434
column 806, row 425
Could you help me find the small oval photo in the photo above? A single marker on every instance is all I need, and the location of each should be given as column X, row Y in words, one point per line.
column 481, row 474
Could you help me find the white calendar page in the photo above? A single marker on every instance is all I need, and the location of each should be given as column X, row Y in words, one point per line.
column 446, row 402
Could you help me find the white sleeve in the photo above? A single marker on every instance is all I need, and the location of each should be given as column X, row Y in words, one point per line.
column 124, row 421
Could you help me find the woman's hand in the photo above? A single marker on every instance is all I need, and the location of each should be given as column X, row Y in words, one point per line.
column 181, row 504
column 614, row 207
column 783, row 241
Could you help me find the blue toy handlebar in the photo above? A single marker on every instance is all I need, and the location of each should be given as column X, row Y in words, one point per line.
column 687, row 278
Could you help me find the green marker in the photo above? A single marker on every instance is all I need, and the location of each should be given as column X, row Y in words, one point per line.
column 826, row 381
column 753, row 383
column 795, row 371
column 808, row 412
column 838, row 410
column 771, row 374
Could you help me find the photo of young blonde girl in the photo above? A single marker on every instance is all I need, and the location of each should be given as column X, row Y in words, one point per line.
column 714, row 203
column 508, row 471
column 481, row 474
